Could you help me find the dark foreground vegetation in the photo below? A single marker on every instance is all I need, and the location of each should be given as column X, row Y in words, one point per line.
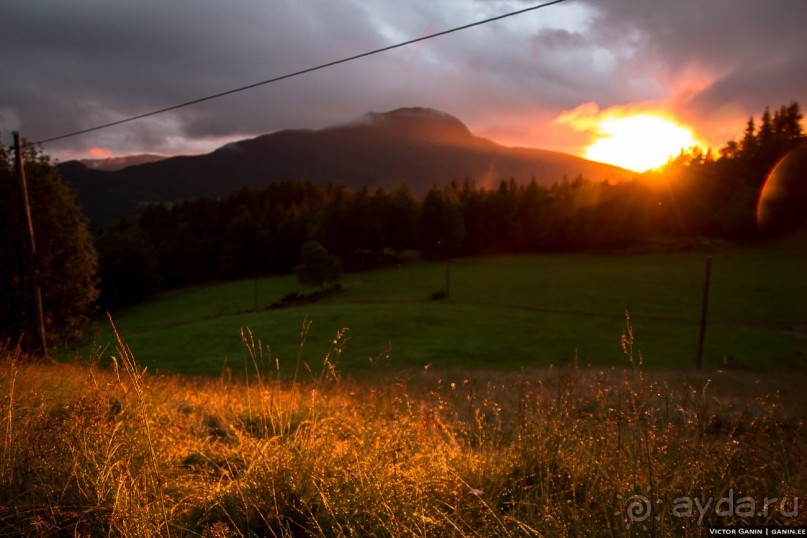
column 564, row 452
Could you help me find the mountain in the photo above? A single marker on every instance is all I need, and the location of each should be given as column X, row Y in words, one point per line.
column 420, row 146
column 118, row 163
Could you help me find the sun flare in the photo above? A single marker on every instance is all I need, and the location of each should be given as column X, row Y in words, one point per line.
column 639, row 142
column 636, row 140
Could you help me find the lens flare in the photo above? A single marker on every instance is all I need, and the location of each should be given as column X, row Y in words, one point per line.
column 638, row 140
column 784, row 195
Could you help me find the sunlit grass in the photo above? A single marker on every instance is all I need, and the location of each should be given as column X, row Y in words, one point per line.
column 549, row 453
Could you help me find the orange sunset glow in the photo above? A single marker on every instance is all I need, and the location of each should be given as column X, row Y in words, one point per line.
column 96, row 152
column 638, row 140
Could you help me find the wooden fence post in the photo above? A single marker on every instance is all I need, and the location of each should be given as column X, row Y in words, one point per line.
column 703, row 311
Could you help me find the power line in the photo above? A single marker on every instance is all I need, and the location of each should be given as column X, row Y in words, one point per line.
column 298, row 73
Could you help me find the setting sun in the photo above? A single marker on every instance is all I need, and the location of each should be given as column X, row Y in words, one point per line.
column 639, row 142
column 636, row 140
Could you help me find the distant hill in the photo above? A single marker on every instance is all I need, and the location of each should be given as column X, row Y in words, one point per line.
column 420, row 146
column 119, row 163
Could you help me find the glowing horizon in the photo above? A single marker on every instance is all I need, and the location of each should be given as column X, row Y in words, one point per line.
column 636, row 139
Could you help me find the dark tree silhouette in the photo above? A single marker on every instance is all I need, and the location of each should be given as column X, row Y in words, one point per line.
column 443, row 230
column 129, row 267
column 66, row 259
column 239, row 252
column 318, row 266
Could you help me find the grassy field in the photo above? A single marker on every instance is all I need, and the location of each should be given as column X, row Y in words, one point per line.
column 482, row 443
column 506, row 312
column 561, row 452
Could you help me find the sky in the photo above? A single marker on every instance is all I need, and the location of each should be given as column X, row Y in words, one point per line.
column 541, row 79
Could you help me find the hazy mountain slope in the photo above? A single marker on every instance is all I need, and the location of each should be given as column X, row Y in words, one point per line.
column 119, row 163
column 422, row 147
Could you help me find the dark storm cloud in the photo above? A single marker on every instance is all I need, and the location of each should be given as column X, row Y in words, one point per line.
column 71, row 65
column 767, row 82
column 83, row 63
column 754, row 49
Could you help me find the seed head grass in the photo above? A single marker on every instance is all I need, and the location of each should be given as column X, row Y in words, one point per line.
column 120, row 451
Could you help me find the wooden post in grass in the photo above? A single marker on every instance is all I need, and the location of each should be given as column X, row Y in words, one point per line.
column 703, row 311
column 36, row 293
column 448, row 275
column 256, row 293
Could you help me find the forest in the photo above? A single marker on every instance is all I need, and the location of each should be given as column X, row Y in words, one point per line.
column 700, row 194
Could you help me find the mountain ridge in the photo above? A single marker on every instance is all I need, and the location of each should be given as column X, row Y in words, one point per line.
column 112, row 164
column 420, row 146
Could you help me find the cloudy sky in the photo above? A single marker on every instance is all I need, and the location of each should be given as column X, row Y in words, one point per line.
column 72, row 65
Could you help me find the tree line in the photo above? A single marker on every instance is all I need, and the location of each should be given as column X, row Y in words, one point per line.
column 717, row 193
column 263, row 231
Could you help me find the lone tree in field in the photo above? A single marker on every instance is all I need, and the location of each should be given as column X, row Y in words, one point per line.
column 318, row 266
column 66, row 258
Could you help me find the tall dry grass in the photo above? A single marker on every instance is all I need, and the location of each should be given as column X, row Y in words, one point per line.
column 562, row 452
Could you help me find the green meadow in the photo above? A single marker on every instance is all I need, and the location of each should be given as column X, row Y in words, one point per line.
column 486, row 441
column 503, row 313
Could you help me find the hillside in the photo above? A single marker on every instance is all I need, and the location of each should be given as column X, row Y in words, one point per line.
column 420, row 146
column 112, row 164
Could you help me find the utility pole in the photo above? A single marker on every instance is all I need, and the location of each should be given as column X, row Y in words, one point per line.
column 36, row 293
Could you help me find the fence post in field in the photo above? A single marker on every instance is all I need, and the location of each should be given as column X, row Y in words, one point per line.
column 255, row 289
column 448, row 275
column 703, row 311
